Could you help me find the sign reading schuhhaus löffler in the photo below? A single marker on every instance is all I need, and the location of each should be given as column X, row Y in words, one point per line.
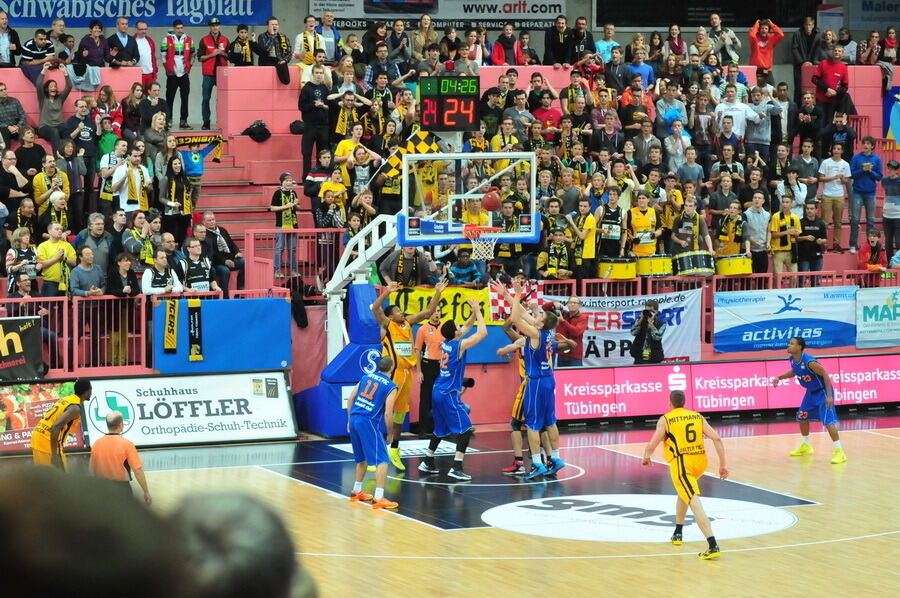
column 157, row 13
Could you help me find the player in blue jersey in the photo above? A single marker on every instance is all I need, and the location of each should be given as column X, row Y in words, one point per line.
column 371, row 402
column 539, row 403
column 818, row 402
column 451, row 418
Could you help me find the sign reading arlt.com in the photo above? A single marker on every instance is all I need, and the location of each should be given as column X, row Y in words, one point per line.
column 878, row 317
column 523, row 14
column 195, row 409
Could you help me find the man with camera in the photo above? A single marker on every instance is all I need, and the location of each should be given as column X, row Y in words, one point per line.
column 648, row 331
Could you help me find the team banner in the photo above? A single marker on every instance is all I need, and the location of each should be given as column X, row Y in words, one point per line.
column 607, row 340
column 20, row 348
column 163, row 410
column 22, row 406
column 170, row 336
column 202, row 139
column 195, row 330
column 768, row 319
column 157, row 13
column 878, row 317
column 454, row 302
column 523, row 14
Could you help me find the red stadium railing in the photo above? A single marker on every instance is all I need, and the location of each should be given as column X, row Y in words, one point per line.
column 306, row 260
column 109, row 332
column 558, row 288
column 866, row 279
column 793, row 280
column 55, row 327
column 609, row 287
column 260, row 293
column 674, row 284
column 860, row 123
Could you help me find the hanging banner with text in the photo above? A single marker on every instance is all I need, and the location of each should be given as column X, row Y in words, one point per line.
column 195, row 409
column 866, row 15
column 607, row 340
column 157, row 13
column 22, row 406
column 523, row 14
column 878, row 317
column 768, row 319
column 454, row 302
column 20, row 348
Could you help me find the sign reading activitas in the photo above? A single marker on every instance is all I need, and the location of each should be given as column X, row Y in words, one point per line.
column 195, row 409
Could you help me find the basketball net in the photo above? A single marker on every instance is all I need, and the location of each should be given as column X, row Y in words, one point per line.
column 483, row 240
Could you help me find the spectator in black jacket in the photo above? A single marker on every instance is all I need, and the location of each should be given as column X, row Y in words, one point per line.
column 313, row 107
column 227, row 256
column 809, row 122
column 152, row 104
column 316, row 176
column 617, row 71
column 580, row 40
column 240, row 51
column 804, row 48
column 122, row 282
column 15, row 46
column 123, row 49
column 556, row 44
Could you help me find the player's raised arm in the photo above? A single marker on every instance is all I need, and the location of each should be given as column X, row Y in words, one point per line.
column 480, row 330
column 432, row 305
column 377, row 307
column 467, row 327
column 564, row 343
column 516, row 345
column 511, row 334
column 720, row 447
column 658, row 437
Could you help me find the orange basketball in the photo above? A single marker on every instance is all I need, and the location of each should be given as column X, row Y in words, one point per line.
column 491, row 201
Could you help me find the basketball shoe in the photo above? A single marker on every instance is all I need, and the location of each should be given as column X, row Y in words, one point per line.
column 517, row 468
column 838, row 456
column 383, row 503
column 536, row 471
column 803, row 449
column 459, row 474
column 394, row 456
column 677, row 539
column 427, row 465
column 360, row 496
column 711, row 553
column 554, row 464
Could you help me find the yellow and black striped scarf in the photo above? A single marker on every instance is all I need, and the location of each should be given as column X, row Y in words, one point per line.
column 60, row 216
column 146, row 254
column 138, row 195
column 244, row 47
column 181, row 194
column 309, row 50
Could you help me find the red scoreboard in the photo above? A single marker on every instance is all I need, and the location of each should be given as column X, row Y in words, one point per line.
column 449, row 103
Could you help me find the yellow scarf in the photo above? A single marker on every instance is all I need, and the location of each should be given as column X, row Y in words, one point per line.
column 246, row 55
column 288, row 217
column 62, row 217
column 138, row 195
column 309, row 52
column 146, row 254
column 343, row 121
column 181, row 195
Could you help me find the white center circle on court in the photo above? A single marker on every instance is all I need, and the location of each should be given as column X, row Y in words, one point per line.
column 633, row 518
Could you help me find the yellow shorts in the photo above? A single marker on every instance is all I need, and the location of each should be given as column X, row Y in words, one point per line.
column 518, row 403
column 403, row 379
column 685, row 470
column 42, row 459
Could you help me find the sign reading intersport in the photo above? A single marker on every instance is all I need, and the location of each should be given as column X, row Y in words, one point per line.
column 195, row 409
column 523, row 14
column 157, row 13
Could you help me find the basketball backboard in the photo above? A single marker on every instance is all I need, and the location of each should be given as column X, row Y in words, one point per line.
column 442, row 193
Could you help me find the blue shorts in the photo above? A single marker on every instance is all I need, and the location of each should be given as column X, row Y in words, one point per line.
column 450, row 416
column 812, row 408
column 367, row 441
column 540, row 402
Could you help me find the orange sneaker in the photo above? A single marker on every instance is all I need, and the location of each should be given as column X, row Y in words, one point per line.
column 360, row 496
column 384, row 503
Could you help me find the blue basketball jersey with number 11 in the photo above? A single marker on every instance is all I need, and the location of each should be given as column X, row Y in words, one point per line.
column 539, row 362
column 807, row 378
column 371, row 396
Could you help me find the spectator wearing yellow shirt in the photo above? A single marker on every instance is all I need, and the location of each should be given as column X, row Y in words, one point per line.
column 57, row 258
column 48, row 180
column 345, row 147
column 336, row 186
column 504, row 141
column 669, row 211
column 584, row 229
column 784, row 228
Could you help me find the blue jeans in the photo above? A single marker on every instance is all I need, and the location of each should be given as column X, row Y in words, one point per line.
column 50, row 289
column 564, row 361
column 856, row 204
column 530, row 266
column 811, row 265
column 209, row 81
column 289, row 242
column 223, row 274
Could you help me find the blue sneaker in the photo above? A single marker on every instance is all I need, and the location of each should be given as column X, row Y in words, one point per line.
column 536, row 471
column 555, row 465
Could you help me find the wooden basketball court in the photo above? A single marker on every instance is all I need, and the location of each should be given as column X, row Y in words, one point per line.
column 809, row 527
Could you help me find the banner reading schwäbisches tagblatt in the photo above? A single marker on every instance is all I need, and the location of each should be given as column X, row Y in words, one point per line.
column 768, row 319
column 523, row 14
column 157, row 13
column 878, row 317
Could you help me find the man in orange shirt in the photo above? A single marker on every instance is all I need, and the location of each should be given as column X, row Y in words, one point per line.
column 115, row 458
column 427, row 350
column 764, row 36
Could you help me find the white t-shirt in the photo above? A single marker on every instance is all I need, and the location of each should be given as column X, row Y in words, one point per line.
column 119, row 175
column 829, row 168
column 145, row 55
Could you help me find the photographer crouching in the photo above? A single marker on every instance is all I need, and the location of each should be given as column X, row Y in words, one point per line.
column 648, row 331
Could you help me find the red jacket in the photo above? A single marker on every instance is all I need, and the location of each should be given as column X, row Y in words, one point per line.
column 865, row 253
column 498, row 55
column 763, row 48
column 830, row 74
column 207, row 46
column 152, row 57
column 168, row 50
column 573, row 329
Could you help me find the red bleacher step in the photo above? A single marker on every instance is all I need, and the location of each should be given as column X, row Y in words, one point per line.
column 276, row 147
column 227, row 173
column 226, row 161
column 249, row 199
column 267, row 172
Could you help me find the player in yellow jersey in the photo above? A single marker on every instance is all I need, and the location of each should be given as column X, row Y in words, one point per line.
column 49, row 435
column 397, row 343
column 683, row 433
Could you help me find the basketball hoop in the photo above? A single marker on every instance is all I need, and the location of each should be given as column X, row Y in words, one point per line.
column 483, row 240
